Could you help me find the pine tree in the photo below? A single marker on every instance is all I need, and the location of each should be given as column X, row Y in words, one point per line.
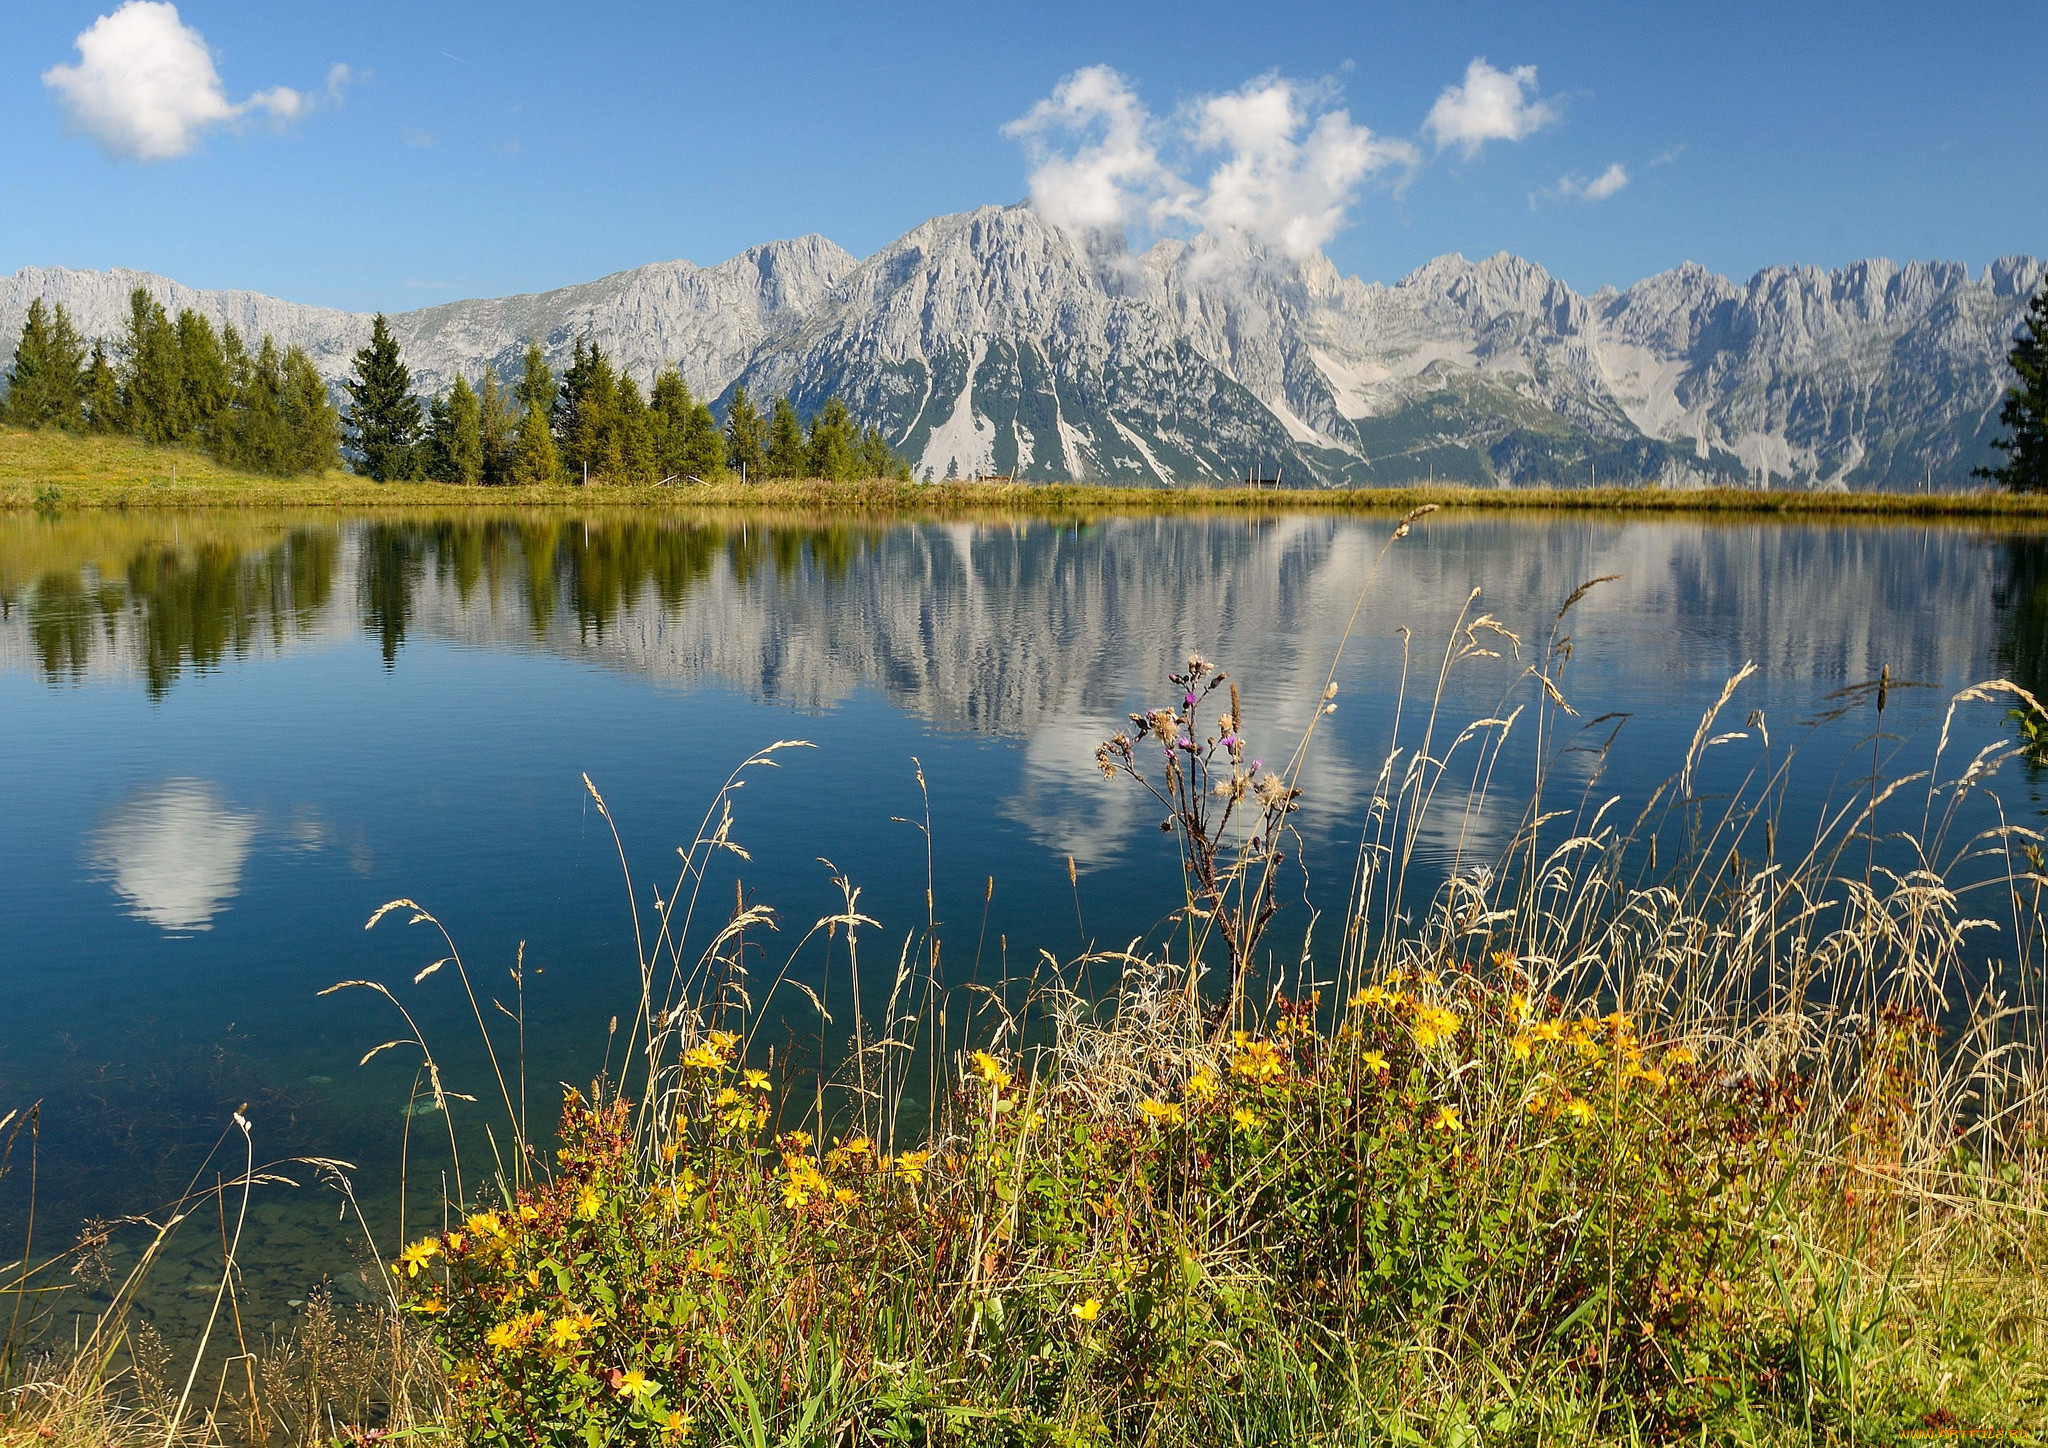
column 498, row 423
column 635, row 434
column 534, row 458
column 536, row 383
column 150, row 387
column 786, row 452
column 465, row 444
column 746, row 437
column 687, row 443
column 205, row 389
column 46, row 383
column 829, row 451
column 586, row 417
column 876, row 459
column 311, row 423
column 102, row 393
column 260, row 440
column 2025, row 413
column 383, row 415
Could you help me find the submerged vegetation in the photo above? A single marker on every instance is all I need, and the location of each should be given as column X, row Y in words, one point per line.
column 1700, row 1123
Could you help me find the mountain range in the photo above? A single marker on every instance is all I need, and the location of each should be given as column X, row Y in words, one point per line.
column 992, row 342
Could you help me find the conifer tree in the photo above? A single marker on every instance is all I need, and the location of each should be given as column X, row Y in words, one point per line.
column 2024, row 414
column 257, row 438
column 536, row 383
column 46, row 383
column 497, row 425
column 150, row 388
column 829, row 450
column 312, row 425
column 634, row 431
column 205, row 389
column 787, row 457
column 384, row 415
column 534, row 457
column 102, row 393
column 874, row 457
column 746, row 437
column 465, row 444
column 687, row 443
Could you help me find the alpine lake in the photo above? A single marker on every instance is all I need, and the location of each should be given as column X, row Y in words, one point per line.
column 230, row 737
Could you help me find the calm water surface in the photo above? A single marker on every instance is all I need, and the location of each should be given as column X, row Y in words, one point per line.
column 227, row 738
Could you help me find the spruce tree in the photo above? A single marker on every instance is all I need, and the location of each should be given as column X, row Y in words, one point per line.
column 2025, row 412
column 534, row 458
column 829, row 451
column 746, row 437
column 497, row 425
column 383, row 415
column 465, row 445
column 312, row 425
column 874, row 457
column 536, row 383
column 787, row 456
column 260, row 440
column 102, row 393
column 205, row 389
column 634, row 430
column 151, row 391
column 46, row 383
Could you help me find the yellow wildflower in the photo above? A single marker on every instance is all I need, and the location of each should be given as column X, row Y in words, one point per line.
column 1161, row 1113
column 678, row 1424
column 757, row 1079
column 1202, row 1087
column 1578, row 1111
column 570, row 1329
column 432, row 1305
column 1258, row 1061
column 633, row 1384
column 415, row 1257
column 1374, row 1061
column 1245, row 1118
column 1522, row 1045
column 506, row 1335
column 586, row 1203
column 485, row 1224
column 991, row 1070
column 1446, row 1119
column 910, row 1166
column 1088, row 1311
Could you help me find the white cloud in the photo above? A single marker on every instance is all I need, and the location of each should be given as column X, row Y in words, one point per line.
column 145, row 87
column 1599, row 188
column 1283, row 174
column 1492, row 105
column 1106, row 181
column 1284, row 179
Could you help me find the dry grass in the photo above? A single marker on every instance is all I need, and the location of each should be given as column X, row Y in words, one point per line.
column 113, row 472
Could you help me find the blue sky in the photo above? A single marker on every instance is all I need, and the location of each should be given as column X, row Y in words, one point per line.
column 479, row 150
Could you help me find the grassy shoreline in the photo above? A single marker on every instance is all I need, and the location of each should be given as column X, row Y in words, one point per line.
column 123, row 473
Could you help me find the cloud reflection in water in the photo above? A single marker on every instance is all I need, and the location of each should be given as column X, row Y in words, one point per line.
column 174, row 852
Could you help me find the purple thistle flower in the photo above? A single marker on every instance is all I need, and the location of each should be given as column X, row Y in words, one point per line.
column 1256, row 764
column 1189, row 701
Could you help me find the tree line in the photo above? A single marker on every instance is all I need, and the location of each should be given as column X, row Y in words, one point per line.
column 175, row 380
column 593, row 422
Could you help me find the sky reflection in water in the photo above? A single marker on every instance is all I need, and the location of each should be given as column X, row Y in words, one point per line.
column 232, row 737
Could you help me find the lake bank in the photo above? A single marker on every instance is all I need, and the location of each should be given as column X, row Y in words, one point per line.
column 111, row 472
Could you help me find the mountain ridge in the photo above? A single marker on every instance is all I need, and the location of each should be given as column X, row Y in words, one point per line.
column 991, row 341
